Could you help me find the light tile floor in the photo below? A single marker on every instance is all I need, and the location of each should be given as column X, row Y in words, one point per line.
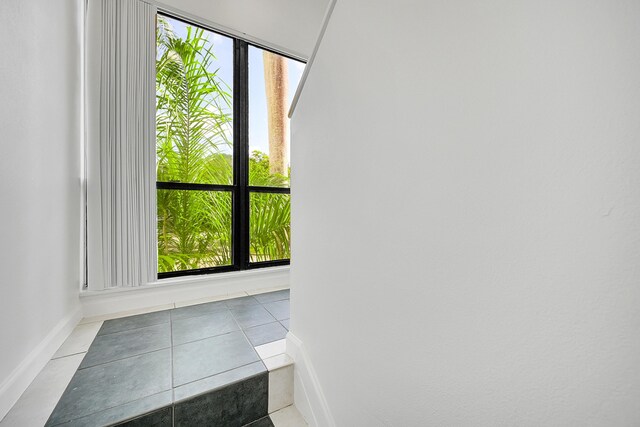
column 79, row 340
column 288, row 417
column 37, row 403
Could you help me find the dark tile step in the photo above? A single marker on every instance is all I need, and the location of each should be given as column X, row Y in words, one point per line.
column 240, row 403
column 234, row 405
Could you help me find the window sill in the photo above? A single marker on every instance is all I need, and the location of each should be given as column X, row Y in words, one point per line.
column 175, row 292
column 204, row 279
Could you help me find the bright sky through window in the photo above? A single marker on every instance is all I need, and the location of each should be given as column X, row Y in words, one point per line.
column 223, row 50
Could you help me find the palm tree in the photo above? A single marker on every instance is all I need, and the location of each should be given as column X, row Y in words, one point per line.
column 276, row 79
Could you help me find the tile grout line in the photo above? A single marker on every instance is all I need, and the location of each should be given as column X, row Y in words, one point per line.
column 173, row 392
column 224, row 385
column 127, row 357
column 70, row 354
column 173, row 389
column 131, row 329
column 124, row 358
column 280, row 321
column 249, row 341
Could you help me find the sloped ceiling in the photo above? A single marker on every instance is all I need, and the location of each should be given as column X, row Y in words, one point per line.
column 290, row 24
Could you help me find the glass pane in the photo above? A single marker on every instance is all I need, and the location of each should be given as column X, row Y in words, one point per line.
column 269, row 226
column 194, row 229
column 194, row 77
column 273, row 80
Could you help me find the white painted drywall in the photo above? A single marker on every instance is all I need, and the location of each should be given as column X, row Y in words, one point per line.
column 290, row 24
column 466, row 213
column 40, row 75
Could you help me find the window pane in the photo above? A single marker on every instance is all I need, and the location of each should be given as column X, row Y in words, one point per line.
column 273, row 80
column 194, row 229
column 269, row 224
column 194, row 77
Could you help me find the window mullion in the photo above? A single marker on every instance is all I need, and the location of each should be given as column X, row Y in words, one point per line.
column 241, row 154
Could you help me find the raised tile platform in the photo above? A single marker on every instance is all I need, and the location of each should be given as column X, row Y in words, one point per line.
column 189, row 366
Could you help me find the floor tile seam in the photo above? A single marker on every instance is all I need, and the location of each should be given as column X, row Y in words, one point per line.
column 270, row 302
column 259, row 419
column 266, row 371
column 171, row 358
column 122, row 358
column 224, row 372
column 117, row 406
column 255, row 302
column 264, row 324
column 195, row 304
column 252, row 346
column 237, row 321
column 68, row 355
column 235, row 307
column 246, row 295
column 275, row 300
column 205, row 338
column 83, row 323
column 282, row 409
column 132, row 329
column 287, row 299
column 200, row 315
column 269, row 313
column 243, row 333
column 283, row 325
column 272, row 315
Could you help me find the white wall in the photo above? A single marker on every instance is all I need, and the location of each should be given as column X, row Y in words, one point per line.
column 466, row 213
column 290, row 24
column 39, row 183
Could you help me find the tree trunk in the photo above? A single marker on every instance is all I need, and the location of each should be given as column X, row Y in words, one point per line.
column 276, row 84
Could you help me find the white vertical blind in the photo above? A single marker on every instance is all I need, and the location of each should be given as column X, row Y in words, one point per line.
column 121, row 145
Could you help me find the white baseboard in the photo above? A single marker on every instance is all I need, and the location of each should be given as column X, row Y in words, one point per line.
column 17, row 382
column 307, row 393
column 170, row 291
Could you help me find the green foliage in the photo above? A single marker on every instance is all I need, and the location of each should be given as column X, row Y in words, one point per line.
column 270, row 214
column 192, row 117
column 193, row 131
column 259, row 174
column 193, row 110
column 194, row 229
column 269, row 227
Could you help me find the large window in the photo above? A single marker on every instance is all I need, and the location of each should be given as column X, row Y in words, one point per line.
column 222, row 151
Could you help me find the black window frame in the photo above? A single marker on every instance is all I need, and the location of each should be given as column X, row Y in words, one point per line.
column 240, row 189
